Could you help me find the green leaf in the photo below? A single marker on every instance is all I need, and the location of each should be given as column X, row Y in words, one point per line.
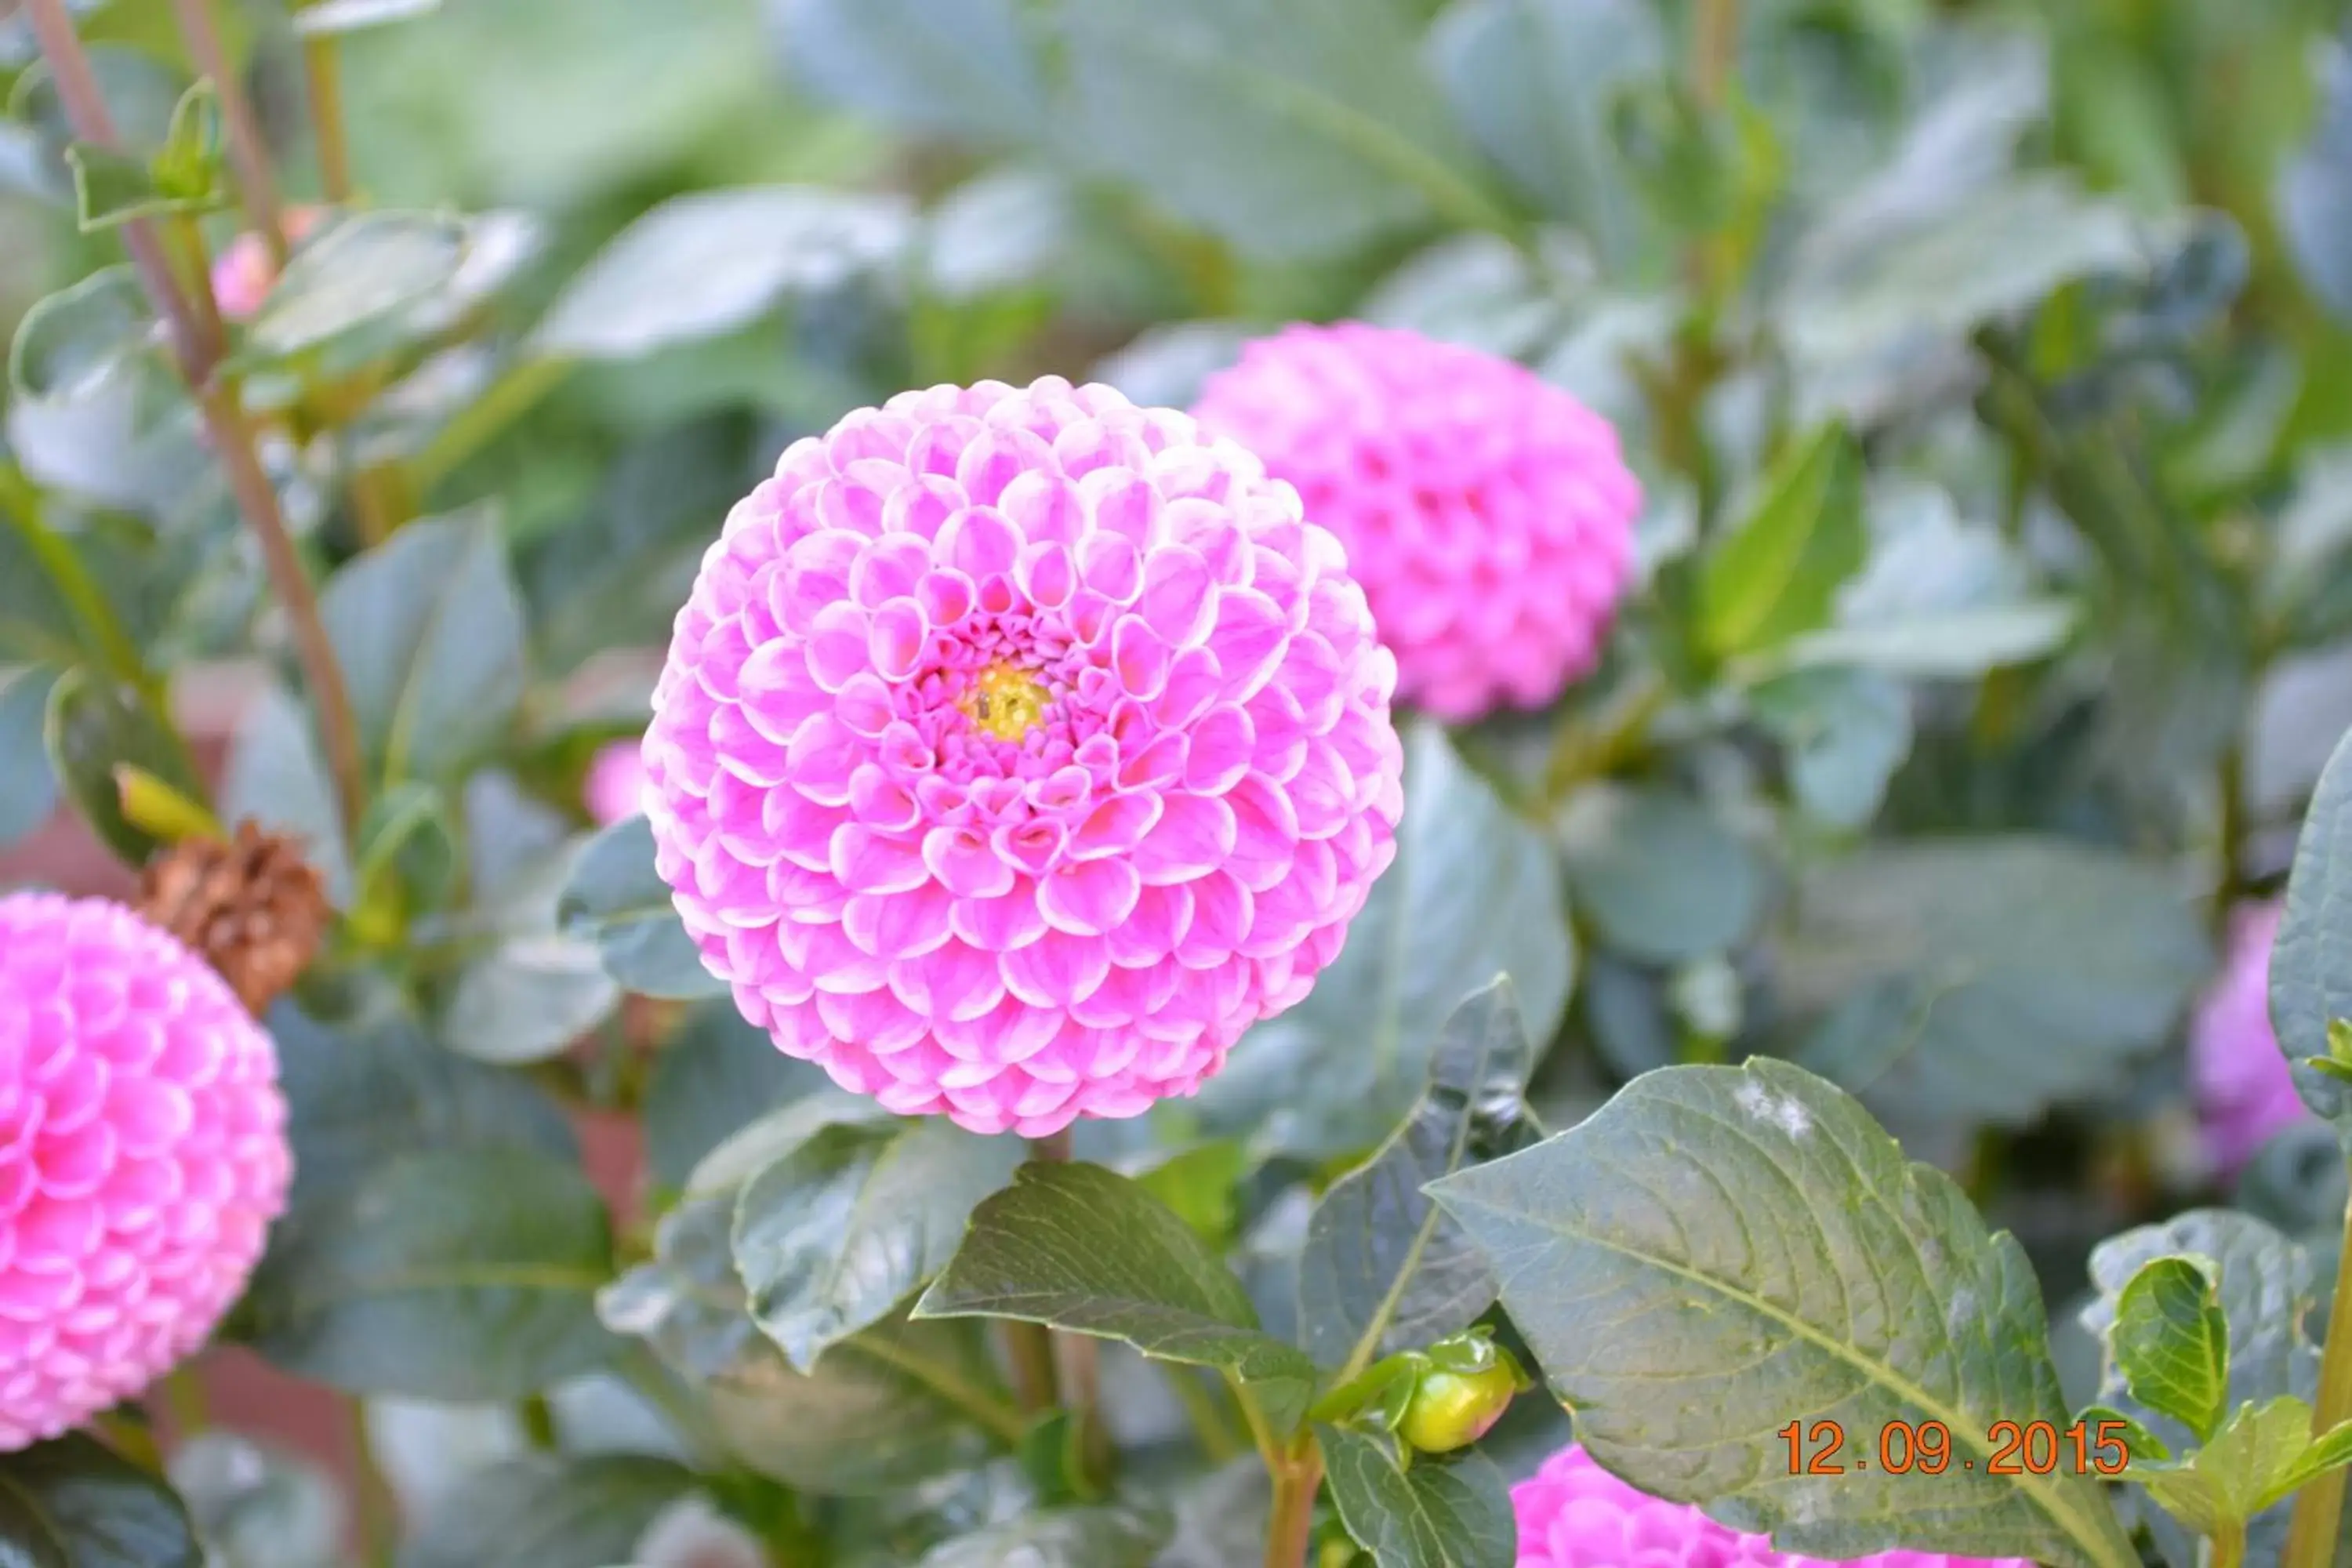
column 2314, row 197
column 28, row 790
column 536, row 990
column 2244, row 1470
column 358, row 275
column 1081, row 1249
column 2138, row 1440
column 93, row 725
column 70, row 341
column 72, row 1503
column 546, row 1511
column 1988, row 977
column 712, row 262
column 1475, row 891
column 897, row 1403
column 333, row 18
column 961, row 68
column 1106, row 1537
column 1717, row 1247
column 1198, row 1186
column 2311, row 965
column 112, row 187
column 1777, row 574
column 429, row 630
column 1660, row 877
column 254, row 1505
column 833, row 1235
column 2265, row 1287
column 1452, row 1515
column 1956, row 643
column 1384, row 1268
column 618, row 901
column 2171, row 1343
column 1843, row 733
column 1534, row 81
column 277, row 776
column 716, row 1075
column 451, row 1274
column 1292, row 131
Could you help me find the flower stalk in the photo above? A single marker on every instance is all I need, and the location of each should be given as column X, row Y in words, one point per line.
column 2319, row 1506
column 256, row 186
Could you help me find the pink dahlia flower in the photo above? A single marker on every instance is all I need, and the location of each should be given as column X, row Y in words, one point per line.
column 615, row 785
column 1017, row 750
column 1574, row 1514
column 142, row 1156
column 242, row 273
column 2238, row 1076
column 1486, row 511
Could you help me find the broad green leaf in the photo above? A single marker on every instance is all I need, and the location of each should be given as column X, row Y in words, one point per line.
column 2306, row 579
column 1776, row 576
column 1987, row 978
column 717, row 1075
column 72, row 1503
column 2331, row 1450
column 2311, row 966
column 547, row 1511
column 833, row 1235
column 1081, row 1249
column 429, row 633
column 963, row 68
column 1720, row 1246
column 184, row 175
column 255, row 1505
column 70, row 341
column 2244, row 1470
column 1661, row 880
column 1385, row 1269
column 452, row 1274
column 706, row 263
column 359, row 274
column 1106, row 1537
column 1451, row 1515
column 616, row 900
column 897, row 1403
column 1292, row 131
column 2314, row 197
column 2171, row 1343
column 28, row 790
column 1534, row 80
column 1198, row 1186
column 2265, row 1286
column 535, row 990
column 277, row 776
column 91, row 726
column 1957, row 644
column 1475, row 891
column 331, row 18
column 1843, row 733
column 138, row 87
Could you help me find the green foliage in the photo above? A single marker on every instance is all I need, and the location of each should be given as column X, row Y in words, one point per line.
column 1430, row 1516
column 2310, row 979
column 72, row 1504
column 2171, row 1343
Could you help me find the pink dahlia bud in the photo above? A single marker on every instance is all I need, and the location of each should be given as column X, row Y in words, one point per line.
column 142, row 1156
column 615, row 783
column 1574, row 1514
column 242, row 274
column 2238, row 1076
column 1487, row 513
column 1017, row 750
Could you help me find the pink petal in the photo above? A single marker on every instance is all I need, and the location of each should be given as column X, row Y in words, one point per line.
column 1194, row 834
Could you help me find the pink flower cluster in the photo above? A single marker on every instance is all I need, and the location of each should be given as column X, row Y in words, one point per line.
column 1487, row 513
column 1574, row 1514
column 142, row 1156
column 2238, row 1076
column 1017, row 749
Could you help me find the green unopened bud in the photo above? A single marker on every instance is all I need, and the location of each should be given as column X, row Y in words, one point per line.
column 1452, row 1410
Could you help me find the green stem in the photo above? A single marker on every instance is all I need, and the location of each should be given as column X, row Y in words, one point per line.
column 1219, row 1441
column 511, row 396
column 1295, row 1481
column 256, row 186
column 2311, row 1536
column 377, row 1512
column 1586, row 750
column 190, row 1405
column 2230, row 1544
column 1715, row 49
column 538, row 1424
column 133, row 1439
column 1079, row 1359
column 2230, row 829
column 324, row 71
column 20, row 506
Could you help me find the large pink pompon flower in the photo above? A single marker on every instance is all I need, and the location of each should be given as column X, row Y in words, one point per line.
column 142, row 1156
column 1574, row 1514
column 1017, row 749
column 2238, row 1076
column 1487, row 513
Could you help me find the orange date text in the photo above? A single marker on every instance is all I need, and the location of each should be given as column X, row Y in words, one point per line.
column 1925, row 1447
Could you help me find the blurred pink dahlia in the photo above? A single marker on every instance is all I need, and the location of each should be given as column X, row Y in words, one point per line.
column 1486, row 511
column 242, row 273
column 2238, row 1076
column 1574, row 1514
column 1017, row 750
column 615, row 785
column 142, row 1156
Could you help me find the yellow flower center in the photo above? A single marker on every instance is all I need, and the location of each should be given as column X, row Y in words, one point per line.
column 1005, row 701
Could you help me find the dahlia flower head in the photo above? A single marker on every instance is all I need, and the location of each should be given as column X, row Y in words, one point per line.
column 1487, row 513
column 1017, row 749
column 615, row 783
column 142, row 1156
column 1574, row 1514
column 2238, row 1076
